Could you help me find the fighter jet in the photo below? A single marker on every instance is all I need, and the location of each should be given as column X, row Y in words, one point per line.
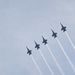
column 63, row 28
column 44, row 40
column 29, row 51
column 54, row 34
column 37, row 46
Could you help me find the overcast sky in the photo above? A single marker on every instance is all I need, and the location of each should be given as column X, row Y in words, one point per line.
column 22, row 22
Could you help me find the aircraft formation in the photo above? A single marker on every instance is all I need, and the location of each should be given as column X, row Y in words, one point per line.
column 45, row 42
column 54, row 34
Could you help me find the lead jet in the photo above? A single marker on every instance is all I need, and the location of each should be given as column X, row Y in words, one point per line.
column 37, row 46
column 54, row 34
column 63, row 28
column 44, row 40
column 29, row 51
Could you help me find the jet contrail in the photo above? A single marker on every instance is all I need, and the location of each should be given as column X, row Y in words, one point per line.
column 70, row 40
column 55, row 60
column 36, row 65
column 66, row 55
column 46, row 63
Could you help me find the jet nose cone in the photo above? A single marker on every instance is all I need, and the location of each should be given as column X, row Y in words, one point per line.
column 34, row 42
column 42, row 37
column 26, row 47
column 60, row 22
column 52, row 30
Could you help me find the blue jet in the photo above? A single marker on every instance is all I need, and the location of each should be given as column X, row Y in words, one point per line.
column 44, row 40
column 63, row 28
column 29, row 51
column 54, row 34
column 37, row 46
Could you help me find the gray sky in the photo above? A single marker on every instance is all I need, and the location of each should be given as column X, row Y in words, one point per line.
column 22, row 22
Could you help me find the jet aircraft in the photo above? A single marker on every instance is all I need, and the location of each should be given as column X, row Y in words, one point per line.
column 37, row 46
column 63, row 28
column 29, row 51
column 54, row 34
column 44, row 40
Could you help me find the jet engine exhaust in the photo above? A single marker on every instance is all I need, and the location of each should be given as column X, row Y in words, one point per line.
column 46, row 63
column 36, row 65
column 66, row 55
column 55, row 60
column 70, row 40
